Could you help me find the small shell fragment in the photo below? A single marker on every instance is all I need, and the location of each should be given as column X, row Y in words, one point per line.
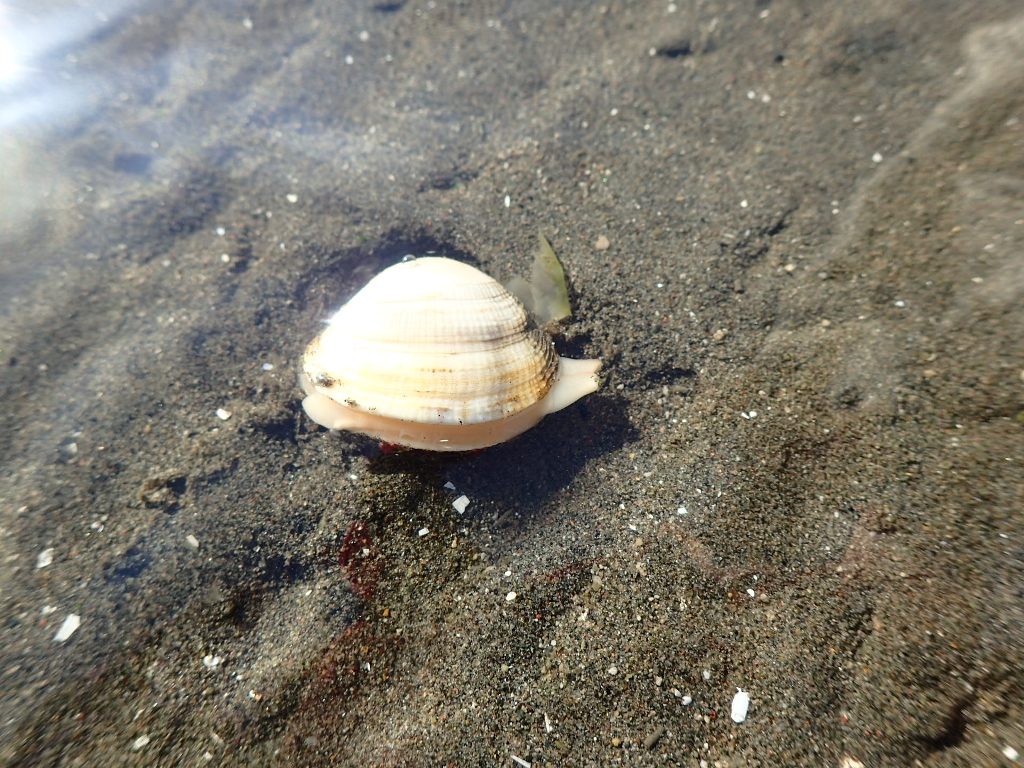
column 45, row 558
column 68, row 628
column 740, row 705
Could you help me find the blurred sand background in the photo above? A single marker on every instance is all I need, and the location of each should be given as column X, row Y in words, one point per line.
column 795, row 235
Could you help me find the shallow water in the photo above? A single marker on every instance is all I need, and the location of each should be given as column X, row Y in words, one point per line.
column 793, row 235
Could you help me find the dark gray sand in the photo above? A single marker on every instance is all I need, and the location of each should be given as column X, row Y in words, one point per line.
column 794, row 233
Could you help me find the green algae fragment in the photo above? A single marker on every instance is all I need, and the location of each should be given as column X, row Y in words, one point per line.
column 546, row 293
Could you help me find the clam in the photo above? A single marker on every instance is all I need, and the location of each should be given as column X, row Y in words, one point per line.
column 432, row 353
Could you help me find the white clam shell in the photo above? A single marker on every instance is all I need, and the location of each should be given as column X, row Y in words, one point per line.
column 435, row 354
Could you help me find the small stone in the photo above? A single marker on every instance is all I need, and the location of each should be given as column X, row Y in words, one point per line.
column 510, row 597
column 291, row 197
column 461, row 503
column 192, row 541
column 602, row 243
column 223, row 415
column 140, row 742
column 654, row 737
column 45, row 558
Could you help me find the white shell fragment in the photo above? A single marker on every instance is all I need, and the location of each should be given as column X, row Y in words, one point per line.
column 434, row 354
column 740, row 705
column 68, row 628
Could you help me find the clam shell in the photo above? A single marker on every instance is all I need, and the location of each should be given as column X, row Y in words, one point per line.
column 433, row 341
column 435, row 354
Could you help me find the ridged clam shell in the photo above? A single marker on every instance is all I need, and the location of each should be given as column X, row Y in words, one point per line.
column 433, row 341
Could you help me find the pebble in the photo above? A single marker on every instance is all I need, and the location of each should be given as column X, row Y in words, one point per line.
column 602, row 243
column 654, row 737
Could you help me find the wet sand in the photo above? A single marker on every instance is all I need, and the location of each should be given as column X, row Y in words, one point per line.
column 794, row 235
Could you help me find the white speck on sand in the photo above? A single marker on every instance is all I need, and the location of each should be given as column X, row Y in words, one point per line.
column 510, row 597
column 140, row 742
column 223, row 415
column 291, row 197
column 519, row 761
column 422, row 531
column 45, row 558
column 461, row 503
column 876, row 158
column 68, row 628
column 508, row 201
column 1010, row 753
column 211, row 662
column 267, row 366
column 192, row 541
column 740, row 705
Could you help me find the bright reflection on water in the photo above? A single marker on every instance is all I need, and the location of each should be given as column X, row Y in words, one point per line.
column 10, row 56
